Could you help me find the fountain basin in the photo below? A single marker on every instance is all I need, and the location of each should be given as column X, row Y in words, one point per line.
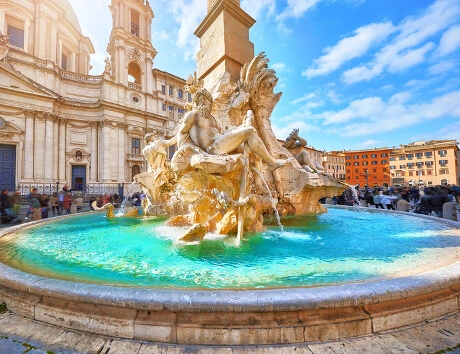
column 232, row 316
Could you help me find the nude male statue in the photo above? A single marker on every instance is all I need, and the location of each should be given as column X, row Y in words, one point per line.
column 200, row 128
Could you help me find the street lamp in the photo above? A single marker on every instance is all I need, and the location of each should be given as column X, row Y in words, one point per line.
column 367, row 174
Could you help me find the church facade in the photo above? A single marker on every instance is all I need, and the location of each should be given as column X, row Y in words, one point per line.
column 61, row 126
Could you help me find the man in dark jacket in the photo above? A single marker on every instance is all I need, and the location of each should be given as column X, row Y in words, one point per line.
column 425, row 203
column 438, row 200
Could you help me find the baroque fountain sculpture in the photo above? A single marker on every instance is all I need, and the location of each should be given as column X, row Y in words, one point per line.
column 229, row 168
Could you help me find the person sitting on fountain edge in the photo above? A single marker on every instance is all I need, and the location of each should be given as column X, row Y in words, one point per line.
column 200, row 128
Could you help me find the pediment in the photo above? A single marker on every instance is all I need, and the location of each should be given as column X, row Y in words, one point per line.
column 14, row 80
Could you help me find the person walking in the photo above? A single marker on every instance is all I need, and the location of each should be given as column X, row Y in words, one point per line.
column 387, row 200
column 378, row 200
column 54, row 203
column 16, row 201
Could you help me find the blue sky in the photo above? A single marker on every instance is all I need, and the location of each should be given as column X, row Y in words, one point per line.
column 354, row 73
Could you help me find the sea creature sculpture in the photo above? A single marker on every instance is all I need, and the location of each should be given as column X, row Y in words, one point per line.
column 131, row 211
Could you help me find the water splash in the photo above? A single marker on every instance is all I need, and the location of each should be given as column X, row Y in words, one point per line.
column 277, row 215
column 123, row 209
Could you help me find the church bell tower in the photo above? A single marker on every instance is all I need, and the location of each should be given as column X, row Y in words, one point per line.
column 130, row 48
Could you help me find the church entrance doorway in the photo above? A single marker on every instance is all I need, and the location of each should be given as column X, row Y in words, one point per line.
column 8, row 167
column 78, row 178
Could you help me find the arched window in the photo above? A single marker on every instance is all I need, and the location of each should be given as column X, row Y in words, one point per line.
column 134, row 73
column 135, row 170
column 444, row 182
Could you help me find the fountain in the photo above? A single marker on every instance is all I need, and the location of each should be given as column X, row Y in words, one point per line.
column 176, row 274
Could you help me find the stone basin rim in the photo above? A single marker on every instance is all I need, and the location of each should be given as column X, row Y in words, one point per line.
column 241, row 300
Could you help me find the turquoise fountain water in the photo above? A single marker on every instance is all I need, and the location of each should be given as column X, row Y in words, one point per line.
column 340, row 246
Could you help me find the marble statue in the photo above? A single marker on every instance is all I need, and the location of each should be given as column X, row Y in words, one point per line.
column 229, row 168
column 295, row 144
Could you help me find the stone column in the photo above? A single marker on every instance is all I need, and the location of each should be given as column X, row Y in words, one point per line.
column 55, row 147
column 39, row 148
column 29, row 145
column 49, row 146
column 121, row 151
column 54, row 36
column 449, row 211
column 106, row 150
column 93, row 177
column 62, row 153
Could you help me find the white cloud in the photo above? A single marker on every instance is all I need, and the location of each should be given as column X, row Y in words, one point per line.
column 255, row 7
column 400, row 98
column 349, row 48
column 160, row 36
column 372, row 116
column 305, row 129
column 442, row 67
column 306, row 97
column 369, row 143
column 334, row 97
column 278, row 66
column 188, row 14
column 450, row 41
column 366, row 107
column 296, row 9
column 414, row 32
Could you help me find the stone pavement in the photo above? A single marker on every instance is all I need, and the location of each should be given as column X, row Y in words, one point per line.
column 20, row 335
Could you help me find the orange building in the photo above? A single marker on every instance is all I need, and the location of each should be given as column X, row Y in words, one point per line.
column 368, row 167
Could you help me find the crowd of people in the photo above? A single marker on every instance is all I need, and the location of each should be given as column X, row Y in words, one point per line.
column 423, row 200
column 42, row 206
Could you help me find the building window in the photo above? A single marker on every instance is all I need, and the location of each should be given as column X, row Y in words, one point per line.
column 419, row 155
column 347, row 157
column 348, row 171
column 180, row 93
column 429, row 163
column 410, row 156
column 374, row 162
column 365, row 163
column 410, row 165
column 402, row 157
column 171, row 112
column 134, row 23
column 171, row 90
column 364, row 156
column 136, row 146
column 16, row 34
column 383, row 155
column 355, row 157
column 428, row 154
column 383, row 162
column 163, row 89
column 63, row 61
column 348, row 163
column 356, row 163
column 375, row 177
column 374, row 156
column 442, row 152
column 402, row 166
column 411, row 173
column 392, row 167
column 189, row 97
column 392, row 158
column 443, row 162
column 429, row 172
column 180, row 112
column 384, row 169
column 356, row 170
column 163, row 106
column 135, row 170
column 444, row 172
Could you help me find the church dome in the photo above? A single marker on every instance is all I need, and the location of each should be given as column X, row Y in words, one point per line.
column 69, row 13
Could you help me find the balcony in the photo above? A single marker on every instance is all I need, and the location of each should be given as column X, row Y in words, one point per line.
column 134, row 86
